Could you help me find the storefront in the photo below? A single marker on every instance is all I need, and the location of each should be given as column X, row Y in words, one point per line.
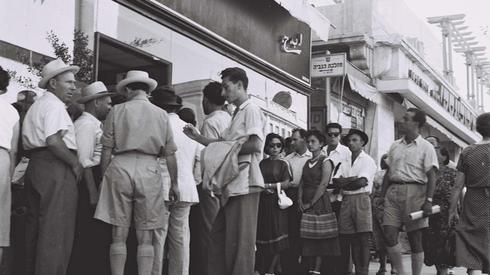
column 187, row 43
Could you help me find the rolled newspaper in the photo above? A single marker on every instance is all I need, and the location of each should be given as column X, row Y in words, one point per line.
column 420, row 214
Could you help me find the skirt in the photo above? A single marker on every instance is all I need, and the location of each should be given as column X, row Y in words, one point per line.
column 473, row 231
column 272, row 225
column 321, row 247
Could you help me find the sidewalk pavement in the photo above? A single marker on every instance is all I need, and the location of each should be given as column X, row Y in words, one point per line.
column 427, row 270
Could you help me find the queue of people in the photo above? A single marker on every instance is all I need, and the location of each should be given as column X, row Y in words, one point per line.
column 207, row 201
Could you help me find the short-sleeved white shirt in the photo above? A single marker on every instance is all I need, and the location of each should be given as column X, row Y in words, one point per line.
column 88, row 130
column 341, row 153
column 45, row 118
column 187, row 155
column 363, row 167
column 248, row 120
column 8, row 118
column 215, row 124
column 411, row 162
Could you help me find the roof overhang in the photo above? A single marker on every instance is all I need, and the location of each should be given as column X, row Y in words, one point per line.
column 304, row 12
column 417, row 96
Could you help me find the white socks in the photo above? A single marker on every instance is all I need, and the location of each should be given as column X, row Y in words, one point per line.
column 117, row 258
column 396, row 258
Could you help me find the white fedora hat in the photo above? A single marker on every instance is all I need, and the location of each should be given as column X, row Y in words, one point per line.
column 93, row 91
column 53, row 69
column 137, row 76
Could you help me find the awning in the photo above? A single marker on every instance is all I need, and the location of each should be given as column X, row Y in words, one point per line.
column 306, row 13
column 409, row 90
column 365, row 90
column 445, row 132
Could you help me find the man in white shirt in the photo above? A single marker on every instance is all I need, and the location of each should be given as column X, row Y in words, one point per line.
column 9, row 136
column 88, row 131
column 48, row 135
column 337, row 153
column 214, row 124
column 233, row 233
column 355, row 180
column 296, row 160
column 188, row 157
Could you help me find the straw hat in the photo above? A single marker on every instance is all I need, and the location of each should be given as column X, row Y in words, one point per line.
column 136, row 76
column 93, row 91
column 53, row 69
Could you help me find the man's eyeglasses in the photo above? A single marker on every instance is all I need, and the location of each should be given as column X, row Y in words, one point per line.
column 277, row 145
column 333, row 134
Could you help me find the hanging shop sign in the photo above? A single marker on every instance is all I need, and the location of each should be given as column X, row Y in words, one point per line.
column 328, row 66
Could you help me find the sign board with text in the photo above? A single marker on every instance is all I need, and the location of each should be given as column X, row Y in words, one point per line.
column 329, row 65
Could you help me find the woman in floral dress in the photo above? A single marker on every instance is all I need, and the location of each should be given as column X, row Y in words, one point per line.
column 440, row 229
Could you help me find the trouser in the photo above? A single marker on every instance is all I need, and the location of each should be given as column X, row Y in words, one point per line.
column 5, row 198
column 337, row 265
column 177, row 236
column 52, row 194
column 233, row 236
column 92, row 237
column 290, row 258
column 201, row 220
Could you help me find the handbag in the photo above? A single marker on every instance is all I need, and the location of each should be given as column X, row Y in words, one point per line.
column 318, row 226
column 282, row 199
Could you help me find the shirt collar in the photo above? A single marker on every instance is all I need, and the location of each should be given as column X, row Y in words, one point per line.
column 140, row 97
column 244, row 104
column 307, row 153
column 415, row 141
column 91, row 117
column 52, row 96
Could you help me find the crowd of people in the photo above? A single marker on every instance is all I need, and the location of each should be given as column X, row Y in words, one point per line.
column 132, row 179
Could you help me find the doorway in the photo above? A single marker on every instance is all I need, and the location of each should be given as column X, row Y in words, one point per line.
column 114, row 58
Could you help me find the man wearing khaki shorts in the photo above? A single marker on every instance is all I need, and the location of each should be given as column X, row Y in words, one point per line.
column 355, row 180
column 137, row 133
column 408, row 186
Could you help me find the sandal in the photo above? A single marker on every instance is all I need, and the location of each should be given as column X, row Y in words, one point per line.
column 315, row 272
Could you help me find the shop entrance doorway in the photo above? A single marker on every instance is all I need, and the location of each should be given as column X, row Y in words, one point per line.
column 114, row 58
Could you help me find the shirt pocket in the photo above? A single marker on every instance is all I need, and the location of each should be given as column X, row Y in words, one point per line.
column 414, row 159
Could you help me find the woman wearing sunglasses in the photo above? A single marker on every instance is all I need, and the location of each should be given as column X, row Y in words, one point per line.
column 272, row 226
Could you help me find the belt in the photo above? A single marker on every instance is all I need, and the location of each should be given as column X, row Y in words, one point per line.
column 405, row 182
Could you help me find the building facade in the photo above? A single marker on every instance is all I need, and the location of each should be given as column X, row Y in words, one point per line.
column 391, row 65
column 182, row 43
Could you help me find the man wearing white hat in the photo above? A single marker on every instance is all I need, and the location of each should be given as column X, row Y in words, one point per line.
column 137, row 133
column 89, row 255
column 51, row 179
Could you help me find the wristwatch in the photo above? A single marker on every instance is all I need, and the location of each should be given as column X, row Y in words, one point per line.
column 429, row 200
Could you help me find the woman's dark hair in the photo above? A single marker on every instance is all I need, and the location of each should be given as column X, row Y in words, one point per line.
column 268, row 140
column 444, row 152
column 317, row 134
column 483, row 124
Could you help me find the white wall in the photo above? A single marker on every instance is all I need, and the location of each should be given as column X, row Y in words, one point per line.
column 26, row 23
